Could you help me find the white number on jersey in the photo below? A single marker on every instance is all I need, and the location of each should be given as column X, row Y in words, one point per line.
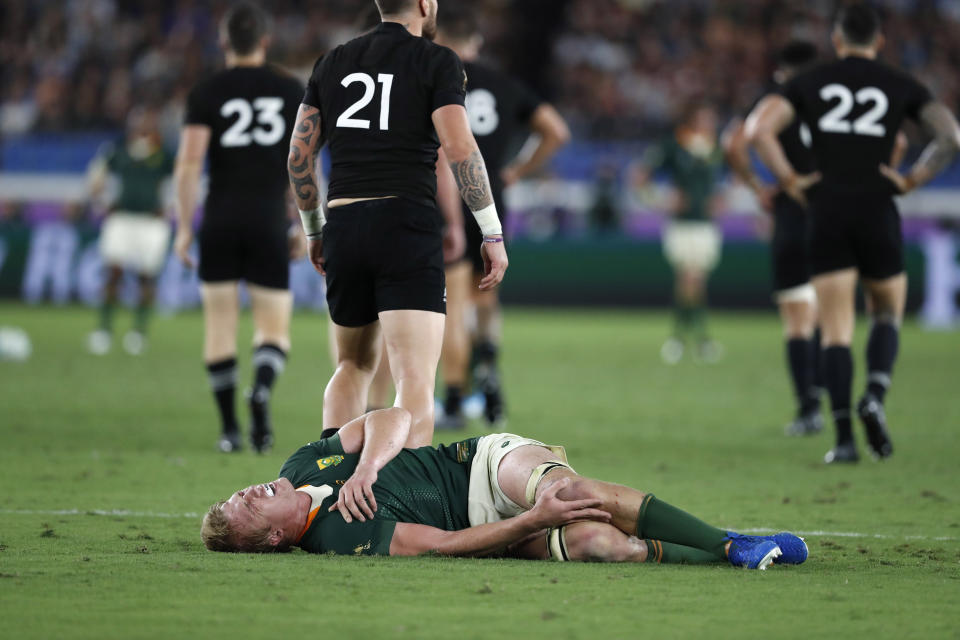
column 806, row 138
column 346, row 119
column 482, row 110
column 269, row 115
column 834, row 121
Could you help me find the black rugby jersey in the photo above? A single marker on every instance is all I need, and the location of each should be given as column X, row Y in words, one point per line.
column 854, row 108
column 795, row 139
column 500, row 109
column 251, row 112
column 376, row 95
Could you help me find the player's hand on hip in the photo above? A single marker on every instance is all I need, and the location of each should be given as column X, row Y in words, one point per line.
column 552, row 511
column 315, row 249
column 356, row 495
column 297, row 243
column 796, row 187
column 181, row 246
column 901, row 183
column 494, row 264
column 765, row 195
column 454, row 243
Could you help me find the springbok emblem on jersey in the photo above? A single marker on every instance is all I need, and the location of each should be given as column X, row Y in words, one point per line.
column 329, row 461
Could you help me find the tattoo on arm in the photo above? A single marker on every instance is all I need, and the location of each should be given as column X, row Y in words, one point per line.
column 938, row 120
column 473, row 182
column 301, row 163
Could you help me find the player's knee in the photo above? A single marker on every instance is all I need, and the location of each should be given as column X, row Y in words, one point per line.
column 594, row 542
column 360, row 370
column 581, row 488
column 886, row 316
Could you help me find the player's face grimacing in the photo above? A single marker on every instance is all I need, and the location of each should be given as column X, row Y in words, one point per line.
column 261, row 505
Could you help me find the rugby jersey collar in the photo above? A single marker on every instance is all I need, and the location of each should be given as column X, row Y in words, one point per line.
column 317, row 496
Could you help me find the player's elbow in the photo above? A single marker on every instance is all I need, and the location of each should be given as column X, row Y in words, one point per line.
column 560, row 133
column 459, row 149
column 295, row 163
column 749, row 136
column 550, row 125
column 397, row 417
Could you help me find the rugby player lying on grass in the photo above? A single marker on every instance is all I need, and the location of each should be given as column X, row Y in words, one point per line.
column 360, row 492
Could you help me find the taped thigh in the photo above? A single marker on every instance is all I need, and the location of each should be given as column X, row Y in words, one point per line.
column 537, row 475
column 557, row 544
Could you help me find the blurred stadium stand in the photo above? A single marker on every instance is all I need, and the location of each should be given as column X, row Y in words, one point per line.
column 619, row 70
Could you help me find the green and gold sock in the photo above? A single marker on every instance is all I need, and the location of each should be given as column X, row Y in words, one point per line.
column 661, row 521
column 669, row 553
column 106, row 316
column 142, row 318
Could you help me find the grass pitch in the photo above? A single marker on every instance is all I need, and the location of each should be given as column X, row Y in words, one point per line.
column 107, row 463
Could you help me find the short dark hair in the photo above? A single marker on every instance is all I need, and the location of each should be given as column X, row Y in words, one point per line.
column 369, row 19
column 458, row 23
column 797, row 54
column 859, row 23
column 246, row 25
column 393, row 7
column 688, row 113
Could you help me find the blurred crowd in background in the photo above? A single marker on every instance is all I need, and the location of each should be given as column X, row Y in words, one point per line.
column 616, row 68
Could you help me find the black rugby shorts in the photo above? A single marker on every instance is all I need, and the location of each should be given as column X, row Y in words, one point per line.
column 245, row 246
column 788, row 248
column 861, row 231
column 383, row 255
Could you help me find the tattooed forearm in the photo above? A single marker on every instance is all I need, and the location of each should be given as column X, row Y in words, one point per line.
column 473, row 182
column 938, row 120
column 301, row 162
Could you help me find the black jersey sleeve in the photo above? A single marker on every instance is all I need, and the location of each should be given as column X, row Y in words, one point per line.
column 917, row 96
column 198, row 107
column 449, row 79
column 793, row 92
column 311, row 96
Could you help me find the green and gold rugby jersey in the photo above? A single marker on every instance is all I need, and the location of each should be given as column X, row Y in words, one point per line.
column 694, row 171
column 421, row 486
column 139, row 177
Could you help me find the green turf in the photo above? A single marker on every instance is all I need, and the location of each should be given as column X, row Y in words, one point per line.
column 116, row 433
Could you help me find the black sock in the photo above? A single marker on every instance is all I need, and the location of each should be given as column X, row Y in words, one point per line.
column 485, row 370
column 682, row 319
column 487, row 352
column 816, row 371
column 881, row 354
column 454, row 400
column 838, row 376
column 268, row 362
column 800, row 359
column 223, row 382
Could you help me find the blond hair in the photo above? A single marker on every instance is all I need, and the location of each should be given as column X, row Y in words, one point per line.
column 219, row 534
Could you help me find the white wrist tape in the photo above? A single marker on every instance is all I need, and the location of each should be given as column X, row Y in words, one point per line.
column 313, row 221
column 489, row 221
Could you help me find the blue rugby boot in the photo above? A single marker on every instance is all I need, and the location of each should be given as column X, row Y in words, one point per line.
column 793, row 548
column 752, row 552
